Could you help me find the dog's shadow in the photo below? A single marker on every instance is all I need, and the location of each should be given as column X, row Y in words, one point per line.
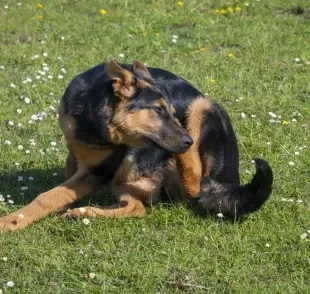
column 19, row 188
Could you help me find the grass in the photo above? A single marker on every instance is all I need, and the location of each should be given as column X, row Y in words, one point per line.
column 170, row 250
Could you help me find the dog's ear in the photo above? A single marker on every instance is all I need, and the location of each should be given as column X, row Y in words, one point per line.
column 124, row 81
column 141, row 72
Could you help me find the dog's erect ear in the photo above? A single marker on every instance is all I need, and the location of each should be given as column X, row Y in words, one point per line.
column 141, row 72
column 124, row 84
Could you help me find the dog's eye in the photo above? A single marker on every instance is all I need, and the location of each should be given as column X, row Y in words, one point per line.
column 158, row 109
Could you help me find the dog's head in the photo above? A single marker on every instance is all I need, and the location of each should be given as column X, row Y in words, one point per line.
column 141, row 112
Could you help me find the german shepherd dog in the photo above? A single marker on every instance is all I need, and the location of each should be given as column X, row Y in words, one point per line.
column 145, row 130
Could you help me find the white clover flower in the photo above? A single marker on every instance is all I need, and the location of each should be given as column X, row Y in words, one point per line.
column 267, row 245
column 4, row 258
column 7, row 142
column 2, row 67
column 220, row 215
column 60, row 77
column 272, row 114
column 291, row 163
column 45, row 54
column 27, row 151
column 303, row 236
column 174, row 40
column 11, row 123
column 297, row 59
column 13, row 85
column 129, row 36
column 92, row 275
column 11, row 201
column 62, row 37
column 18, row 110
column 53, row 143
column 86, row 221
column 243, row 115
column 55, row 174
column 63, row 70
column 24, row 188
column 27, row 100
column 46, row 68
column 121, row 55
column 10, row 284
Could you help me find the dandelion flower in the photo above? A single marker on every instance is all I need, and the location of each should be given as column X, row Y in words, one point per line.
column 212, row 81
column 202, row 49
column 285, row 123
column 231, row 55
column 103, row 12
column 238, row 9
column 39, row 5
column 180, row 3
column 229, row 9
column 40, row 17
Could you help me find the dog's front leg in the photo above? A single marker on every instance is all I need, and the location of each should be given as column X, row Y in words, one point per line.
column 57, row 199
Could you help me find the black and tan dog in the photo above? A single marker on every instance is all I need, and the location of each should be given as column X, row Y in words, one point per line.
column 143, row 130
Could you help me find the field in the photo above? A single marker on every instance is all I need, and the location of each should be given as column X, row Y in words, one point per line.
column 253, row 57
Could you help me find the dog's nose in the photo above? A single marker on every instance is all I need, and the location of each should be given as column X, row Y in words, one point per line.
column 187, row 141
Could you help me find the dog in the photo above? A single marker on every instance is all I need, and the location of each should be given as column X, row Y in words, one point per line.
column 145, row 130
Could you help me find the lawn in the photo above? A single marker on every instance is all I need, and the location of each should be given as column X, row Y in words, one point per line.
column 253, row 57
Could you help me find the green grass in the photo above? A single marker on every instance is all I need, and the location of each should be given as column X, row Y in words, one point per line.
column 171, row 250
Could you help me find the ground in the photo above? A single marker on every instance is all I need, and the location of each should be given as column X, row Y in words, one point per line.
column 252, row 57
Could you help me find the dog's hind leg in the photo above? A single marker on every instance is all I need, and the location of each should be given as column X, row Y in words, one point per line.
column 132, row 196
column 57, row 199
column 189, row 163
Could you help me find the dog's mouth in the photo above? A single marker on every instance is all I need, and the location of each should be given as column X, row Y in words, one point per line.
column 173, row 145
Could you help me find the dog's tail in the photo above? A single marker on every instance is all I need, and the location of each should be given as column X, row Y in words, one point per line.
column 233, row 200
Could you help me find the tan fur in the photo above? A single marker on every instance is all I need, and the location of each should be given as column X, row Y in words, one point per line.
column 86, row 155
column 57, row 199
column 189, row 163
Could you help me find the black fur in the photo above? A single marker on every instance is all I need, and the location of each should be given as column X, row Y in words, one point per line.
column 233, row 200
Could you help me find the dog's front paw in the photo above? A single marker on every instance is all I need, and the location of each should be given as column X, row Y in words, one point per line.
column 12, row 222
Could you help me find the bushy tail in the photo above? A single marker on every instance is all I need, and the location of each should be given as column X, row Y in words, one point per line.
column 233, row 200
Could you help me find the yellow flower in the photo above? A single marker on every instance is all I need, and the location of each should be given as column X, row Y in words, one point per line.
column 212, row 81
column 231, row 55
column 39, row 5
column 223, row 11
column 238, row 8
column 202, row 49
column 40, row 17
column 103, row 12
column 217, row 11
column 180, row 3
column 157, row 35
column 229, row 9
column 285, row 123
